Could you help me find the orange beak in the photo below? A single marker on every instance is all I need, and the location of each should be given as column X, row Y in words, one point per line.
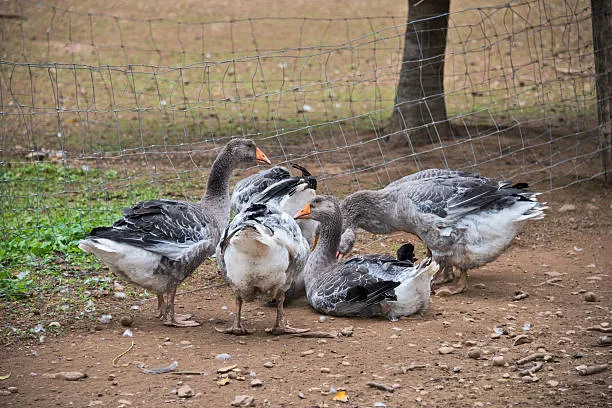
column 261, row 157
column 303, row 213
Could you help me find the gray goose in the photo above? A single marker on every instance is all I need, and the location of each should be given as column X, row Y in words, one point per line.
column 262, row 252
column 249, row 187
column 364, row 286
column 158, row 243
column 466, row 220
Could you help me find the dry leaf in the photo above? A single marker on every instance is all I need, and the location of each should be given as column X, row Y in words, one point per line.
column 5, row 377
column 340, row 396
column 223, row 381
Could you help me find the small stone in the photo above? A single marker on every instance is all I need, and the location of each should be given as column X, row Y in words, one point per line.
column 379, row 405
column 257, row 383
column 457, row 369
column 111, row 377
column 55, row 325
column 243, row 401
column 590, row 297
column 124, row 402
column 521, row 339
column 301, row 395
column 530, row 379
column 322, row 319
column 347, row 331
column 480, row 286
column 552, row 383
column 226, row 369
column 446, row 350
column 184, row 391
column 604, row 341
column 13, row 390
column 487, row 387
column 95, row 403
column 498, row 361
column 567, row 207
column 307, row 352
column 268, row 364
column 325, row 370
column 474, row 353
column 495, row 336
column 66, row 375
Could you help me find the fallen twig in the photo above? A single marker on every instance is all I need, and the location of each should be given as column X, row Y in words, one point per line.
column 411, row 367
column 537, row 367
column 121, row 355
column 594, row 369
column 189, row 373
column 552, row 282
column 531, row 357
column 380, row 386
column 600, row 329
column 317, row 334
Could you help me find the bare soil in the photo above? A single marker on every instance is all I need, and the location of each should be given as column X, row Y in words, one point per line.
column 571, row 250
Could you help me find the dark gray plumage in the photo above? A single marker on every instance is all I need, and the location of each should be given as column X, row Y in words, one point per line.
column 366, row 285
column 159, row 243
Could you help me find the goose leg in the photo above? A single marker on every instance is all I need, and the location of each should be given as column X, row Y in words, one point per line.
column 161, row 306
column 236, row 328
column 454, row 289
column 170, row 319
column 281, row 326
column 444, row 275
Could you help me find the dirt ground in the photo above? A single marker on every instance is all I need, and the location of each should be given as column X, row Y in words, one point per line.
column 571, row 250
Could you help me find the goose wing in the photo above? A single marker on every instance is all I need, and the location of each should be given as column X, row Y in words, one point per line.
column 455, row 193
column 246, row 188
column 166, row 227
column 272, row 222
column 348, row 289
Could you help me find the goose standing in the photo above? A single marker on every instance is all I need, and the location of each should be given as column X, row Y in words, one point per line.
column 366, row 286
column 262, row 252
column 249, row 187
column 466, row 220
column 158, row 243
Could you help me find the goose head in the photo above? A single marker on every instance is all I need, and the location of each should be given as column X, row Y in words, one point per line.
column 324, row 209
column 245, row 150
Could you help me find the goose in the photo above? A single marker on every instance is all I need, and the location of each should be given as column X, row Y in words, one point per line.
column 466, row 220
column 158, row 243
column 365, row 286
column 261, row 253
column 249, row 187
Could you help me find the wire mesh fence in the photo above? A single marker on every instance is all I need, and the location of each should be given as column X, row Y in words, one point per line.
column 99, row 111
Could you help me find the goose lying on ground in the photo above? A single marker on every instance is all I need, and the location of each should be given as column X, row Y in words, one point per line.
column 249, row 187
column 159, row 243
column 262, row 252
column 466, row 220
column 363, row 286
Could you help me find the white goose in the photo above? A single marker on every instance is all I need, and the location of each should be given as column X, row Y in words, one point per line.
column 158, row 243
column 365, row 286
column 262, row 252
column 466, row 220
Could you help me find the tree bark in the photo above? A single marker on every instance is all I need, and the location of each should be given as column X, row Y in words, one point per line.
column 420, row 108
column 601, row 15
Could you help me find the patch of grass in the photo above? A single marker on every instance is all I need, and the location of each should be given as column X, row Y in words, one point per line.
column 46, row 209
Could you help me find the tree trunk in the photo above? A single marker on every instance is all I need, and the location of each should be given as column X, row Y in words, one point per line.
column 601, row 14
column 419, row 108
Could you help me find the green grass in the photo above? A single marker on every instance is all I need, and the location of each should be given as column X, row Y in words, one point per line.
column 45, row 210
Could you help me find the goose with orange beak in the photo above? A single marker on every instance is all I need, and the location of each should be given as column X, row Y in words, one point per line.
column 367, row 286
column 158, row 243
